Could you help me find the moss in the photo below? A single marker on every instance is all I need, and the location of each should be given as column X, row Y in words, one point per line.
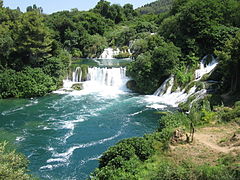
column 123, row 55
column 78, row 86
column 189, row 86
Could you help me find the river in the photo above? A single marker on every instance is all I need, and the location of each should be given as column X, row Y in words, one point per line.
column 64, row 133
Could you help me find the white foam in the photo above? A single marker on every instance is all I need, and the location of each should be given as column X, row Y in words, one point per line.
column 205, row 69
column 82, row 162
column 136, row 113
column 46, row 167
column 173, row 99
column 56, row 160
column 20, row 138
column 50, row 167
column 50, row 148
column 107, row 82
column 157, row 106
column 109, row 53
column 165, row 95
column 70, row 151
column 4, row 113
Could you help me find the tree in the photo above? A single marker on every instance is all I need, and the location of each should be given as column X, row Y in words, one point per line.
column 155, row 60
column 94, row 45
column 33, row 43
column 6, row 44
column 129, row 12
column 103, row 8
column 229, row 58
column 34, row 8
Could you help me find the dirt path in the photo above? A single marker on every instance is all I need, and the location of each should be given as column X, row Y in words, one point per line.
column 208, row 141
column 206, row 146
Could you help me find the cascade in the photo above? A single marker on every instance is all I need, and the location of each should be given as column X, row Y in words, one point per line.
column 115, row 77
column 109, row 53
column 166, row 87
column 77, row 75
column 205, row 68
column 165, row 94
column 98, row 78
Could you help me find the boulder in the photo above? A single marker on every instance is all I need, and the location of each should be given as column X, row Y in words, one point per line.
column 77, row 86
column 132, row 85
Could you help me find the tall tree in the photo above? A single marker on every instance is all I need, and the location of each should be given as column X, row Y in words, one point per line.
column 230, row 61
column 33, row 43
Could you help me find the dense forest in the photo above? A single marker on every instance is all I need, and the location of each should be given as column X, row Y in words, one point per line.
column 165, row 37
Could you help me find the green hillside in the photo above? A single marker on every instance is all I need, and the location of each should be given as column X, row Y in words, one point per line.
column 156, row 7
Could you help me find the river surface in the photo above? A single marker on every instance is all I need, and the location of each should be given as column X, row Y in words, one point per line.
column 63, row 135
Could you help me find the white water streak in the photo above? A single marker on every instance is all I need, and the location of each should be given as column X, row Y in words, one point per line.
column 165, row 96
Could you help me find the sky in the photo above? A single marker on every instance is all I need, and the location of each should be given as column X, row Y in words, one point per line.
column 50, row 6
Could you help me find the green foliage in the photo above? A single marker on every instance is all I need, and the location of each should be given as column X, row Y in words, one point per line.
column 231, row 115
column 115, row 12
column 123, row 159
column 123, row 55
column 183, row 76
column 155, row 60
column 199, row 27
column 13, row 165
column 33, row 43
column 27, row 83
column 173, row 120
column 230, row 62
column 94, row 46
column 167, row 170
column 127, row 149
column 156, row 7
column 213, row 172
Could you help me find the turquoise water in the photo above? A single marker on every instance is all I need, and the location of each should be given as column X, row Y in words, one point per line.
column 102, row 62
column 64, row 135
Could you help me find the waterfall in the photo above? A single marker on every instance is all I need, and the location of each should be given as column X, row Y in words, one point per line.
column 164, row 92
column 114, row 77
column 166, row 87
column 205, row 68
column 109, row 53
column 98, row 79
column 198, row 95
column 77, row 75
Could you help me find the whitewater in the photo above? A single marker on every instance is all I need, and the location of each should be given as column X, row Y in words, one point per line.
column 64, row 134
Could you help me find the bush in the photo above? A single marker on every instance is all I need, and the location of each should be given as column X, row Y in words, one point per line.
column 232, row 115
column 123, row 150
column 13, row 165
column 30, row 82
column 123, row 55
column 173, row 121
column 143, row 148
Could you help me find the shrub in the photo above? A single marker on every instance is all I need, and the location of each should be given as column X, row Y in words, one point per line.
column 27, row 83
column 173, row 120
column 231, row 115
column 143, row 148
column 13, row 165
column 124, row 150
column 123, row 55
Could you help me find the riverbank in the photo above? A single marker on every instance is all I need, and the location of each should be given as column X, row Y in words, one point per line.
column 213, row 153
